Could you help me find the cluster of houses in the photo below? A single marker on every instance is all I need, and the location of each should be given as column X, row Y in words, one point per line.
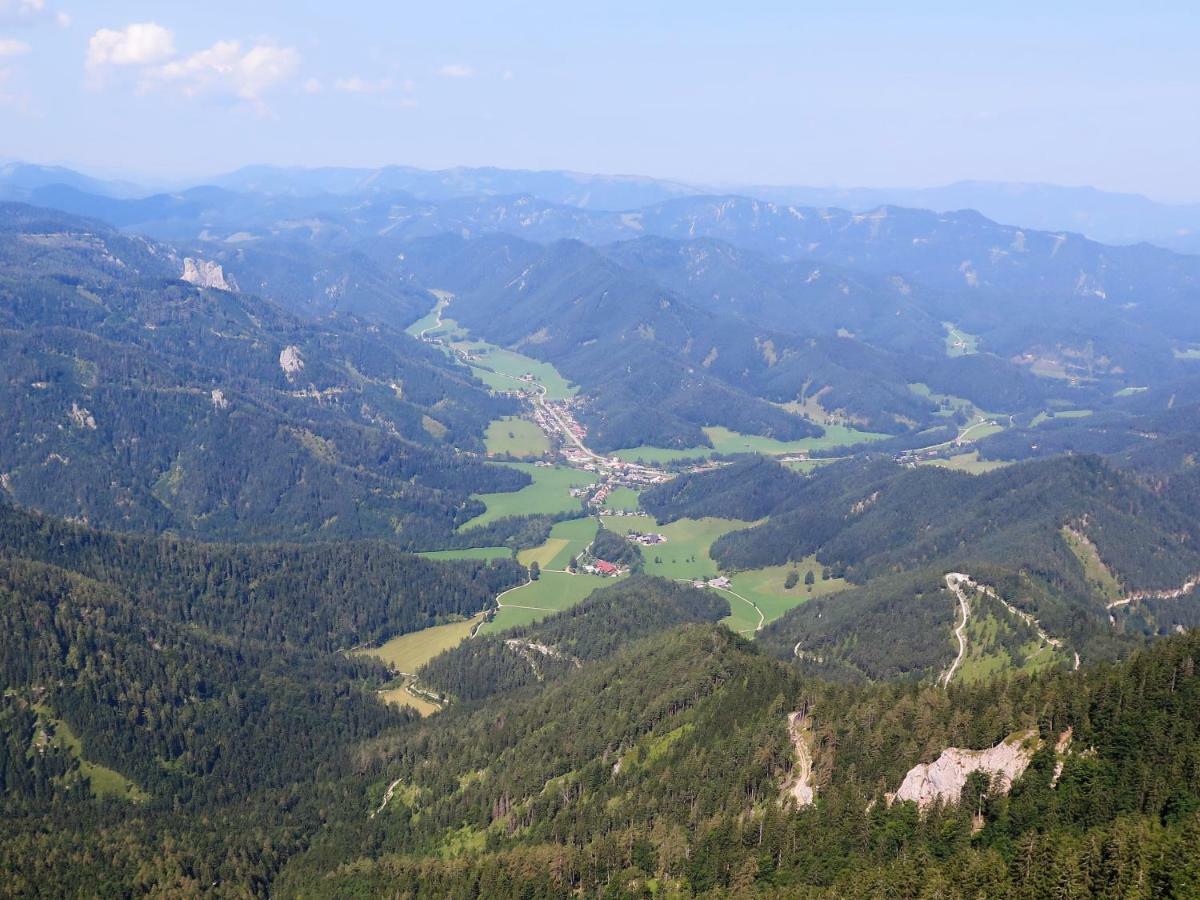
column 647, row 540
column 719, row 582
column 603, row 567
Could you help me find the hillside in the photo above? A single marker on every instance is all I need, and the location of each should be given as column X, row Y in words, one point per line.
column 138, row 401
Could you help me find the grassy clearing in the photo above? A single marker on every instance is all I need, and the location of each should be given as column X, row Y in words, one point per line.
column 765, row 587
column 726, row 441
column 623, row 498
column 1130, row 391
column 469, row 553
column 567, row 539
column 408, row 652
column 685, row 554
column 1061, row 414
column 103, row 781
column 948, row 404
column 430, row 319
column 549, row 493
column 1097, row 573
column 402, row 696
column 742, row 616
column 507, row 370
column 966, row 462
column 1187, row 353
column 986, row 657
column 805, row 466
column 514, row 436
column 959, row 342
column 660, row 455
column 552, row 592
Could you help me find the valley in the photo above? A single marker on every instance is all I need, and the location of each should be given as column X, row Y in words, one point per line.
column 499, row 555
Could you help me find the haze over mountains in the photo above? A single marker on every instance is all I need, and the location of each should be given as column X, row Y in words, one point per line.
column 490, row 533
column 1105, row 216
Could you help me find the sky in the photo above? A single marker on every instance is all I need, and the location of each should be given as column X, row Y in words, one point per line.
column 716, row 93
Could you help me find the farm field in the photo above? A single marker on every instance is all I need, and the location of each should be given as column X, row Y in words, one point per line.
column 966, row 462
column 503, row 370
column 468, row 553
column 765, row 587
column 726, row 441
column 1062, row 414
column 651, row 455
column 408, row 652
column 430, row 319
column 742, row 617
column 402, row 696
column 514, row 436
column 623, row 498
column 959, row 342
column 685, row 554
column 549, row 493
column 566, row 540
column 552, row 592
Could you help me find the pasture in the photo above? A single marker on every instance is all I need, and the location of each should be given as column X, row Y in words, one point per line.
column 514, row 436
column 468, row 553
column 549, row 493
column 567, row 539
column 552, row 592
column 408, row 652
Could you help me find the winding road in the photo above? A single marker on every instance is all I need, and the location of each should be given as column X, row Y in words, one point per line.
column 955, row 581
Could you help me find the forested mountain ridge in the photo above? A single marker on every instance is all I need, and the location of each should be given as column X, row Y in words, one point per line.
column 156, row 690
column 137, row 401
column 1067, row 541
column 1024, row 292
column 660, row 776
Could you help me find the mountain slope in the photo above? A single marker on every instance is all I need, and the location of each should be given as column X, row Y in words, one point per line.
column 139, row 401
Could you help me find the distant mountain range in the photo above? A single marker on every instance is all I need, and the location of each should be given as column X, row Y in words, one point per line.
column 1105, row 216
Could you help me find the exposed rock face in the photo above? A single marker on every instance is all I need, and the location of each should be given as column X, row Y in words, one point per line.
column 944, row 778
column 219, row 400
column 203, row 273
column 81, row 417
column 290, row 361
column 799, row 784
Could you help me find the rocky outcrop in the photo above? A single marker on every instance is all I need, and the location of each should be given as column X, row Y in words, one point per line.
column 206, row 274
column 943, row 779
column 290, row 361
column 81, row 417
column 799, row 784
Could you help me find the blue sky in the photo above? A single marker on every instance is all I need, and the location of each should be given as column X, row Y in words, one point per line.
column 881, row 94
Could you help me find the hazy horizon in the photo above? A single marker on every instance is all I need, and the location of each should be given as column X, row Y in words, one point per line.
column 862, row 96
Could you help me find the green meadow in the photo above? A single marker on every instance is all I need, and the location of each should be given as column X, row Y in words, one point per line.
column 567, row 539
column 514, row 436
column 552, row 592
column 550, row 493
column 469, row 553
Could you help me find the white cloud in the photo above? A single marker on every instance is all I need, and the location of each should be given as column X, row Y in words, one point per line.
column 356, row 85
column 29, row 12
column 10, row 47
column 312, row 86
column 224, row 68
column 139, row 44
column 456, row 70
